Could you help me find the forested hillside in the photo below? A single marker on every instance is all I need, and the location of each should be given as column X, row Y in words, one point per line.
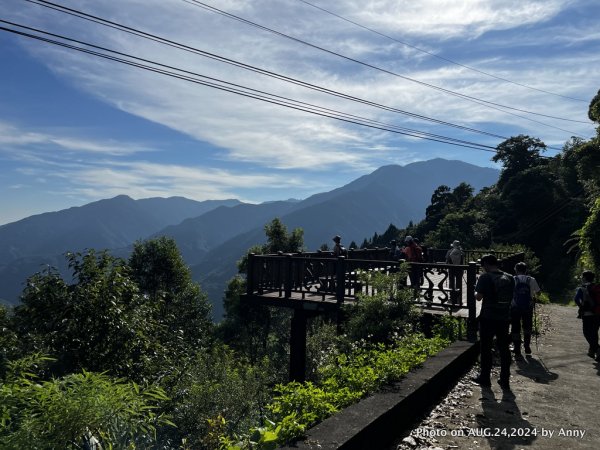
column 125, row 353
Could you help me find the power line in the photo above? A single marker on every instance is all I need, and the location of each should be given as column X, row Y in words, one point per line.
column 438, row 56
column 238, row 89
column 489, row 104
column 174, row 44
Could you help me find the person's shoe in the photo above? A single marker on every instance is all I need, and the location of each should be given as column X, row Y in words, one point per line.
column 527, row 349
column 483, row 382
column 504, row 384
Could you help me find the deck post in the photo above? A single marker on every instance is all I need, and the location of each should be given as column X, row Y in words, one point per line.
column 340, row 284
column 287, row 276
column 471, row 302
column 298, row 346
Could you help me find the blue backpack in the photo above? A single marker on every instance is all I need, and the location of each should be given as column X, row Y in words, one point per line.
column 522, row 294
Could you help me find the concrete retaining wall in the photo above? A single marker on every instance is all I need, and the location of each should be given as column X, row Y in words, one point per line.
column 377, row 420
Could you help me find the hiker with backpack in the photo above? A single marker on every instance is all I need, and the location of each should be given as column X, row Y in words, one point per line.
column 521, row 310
column 587, row 298
column 494, row 289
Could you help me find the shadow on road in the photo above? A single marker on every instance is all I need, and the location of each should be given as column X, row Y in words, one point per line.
column 536, row 370
column 502, row 423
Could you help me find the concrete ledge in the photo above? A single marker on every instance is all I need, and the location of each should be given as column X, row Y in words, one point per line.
column 377, row 420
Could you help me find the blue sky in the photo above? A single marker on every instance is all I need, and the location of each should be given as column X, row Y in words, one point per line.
column 75, row 128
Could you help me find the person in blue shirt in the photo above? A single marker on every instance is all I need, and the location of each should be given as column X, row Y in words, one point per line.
column 590, row 320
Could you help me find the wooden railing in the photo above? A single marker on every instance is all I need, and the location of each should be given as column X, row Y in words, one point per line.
column 321, row 276
column 439, row 255
column 298, row 275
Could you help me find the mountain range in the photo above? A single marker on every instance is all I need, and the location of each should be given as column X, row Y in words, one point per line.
column 212, row 235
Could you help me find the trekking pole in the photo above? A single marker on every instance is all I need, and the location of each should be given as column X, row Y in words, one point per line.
column 535, row 321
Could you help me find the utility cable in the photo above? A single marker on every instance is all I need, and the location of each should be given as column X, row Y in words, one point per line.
column 489, row 104
column 414, row 47
column 240, row 90
column 174, row 44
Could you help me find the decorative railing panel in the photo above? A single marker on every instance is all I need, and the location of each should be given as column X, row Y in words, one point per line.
column 340, row 277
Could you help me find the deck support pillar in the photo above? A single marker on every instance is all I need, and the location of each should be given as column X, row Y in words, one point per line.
column 298, row 346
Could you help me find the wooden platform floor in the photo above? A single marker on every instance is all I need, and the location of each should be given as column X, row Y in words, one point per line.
column 319, row 301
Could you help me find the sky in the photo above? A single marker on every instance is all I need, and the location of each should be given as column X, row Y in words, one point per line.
column 75, row 128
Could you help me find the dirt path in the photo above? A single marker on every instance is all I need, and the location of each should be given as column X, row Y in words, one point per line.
column 554, row 403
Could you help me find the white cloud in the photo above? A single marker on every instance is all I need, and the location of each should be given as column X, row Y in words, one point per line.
column 271, row 137
column 451, row 18
column 104, row 172
column 14, row 137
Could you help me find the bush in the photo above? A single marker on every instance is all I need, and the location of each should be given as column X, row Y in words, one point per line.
column 387, row 313
column 75, row 410
column 344, row 378
column 214, row 392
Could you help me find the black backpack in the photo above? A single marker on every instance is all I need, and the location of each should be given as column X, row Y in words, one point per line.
column 503, row 288
column 522, row 294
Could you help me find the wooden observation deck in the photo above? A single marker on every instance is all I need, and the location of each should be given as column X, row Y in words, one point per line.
column 318, row 283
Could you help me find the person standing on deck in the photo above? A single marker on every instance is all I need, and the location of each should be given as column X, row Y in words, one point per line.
column 521, row 310
column 414, row 254
column 395, row 252
column 338, row 249
column 454, row 256
column 494, row 289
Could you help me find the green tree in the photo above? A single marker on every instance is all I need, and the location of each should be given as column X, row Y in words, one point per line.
column 594, row 108
column 444, row 200
column 455, row 225
column 590, row 238
column 181, row 309
column 8, row 340
column 461, row 194
column 279, row 240
column 518, row 154
column 96, row 323
column 441, row 199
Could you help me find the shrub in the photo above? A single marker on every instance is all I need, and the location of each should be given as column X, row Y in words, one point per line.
column 75, row 410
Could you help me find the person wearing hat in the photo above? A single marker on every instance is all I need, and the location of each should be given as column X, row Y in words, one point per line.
column 394, row 251
column 455, row 256
column 494, row 289
column 338, row 249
